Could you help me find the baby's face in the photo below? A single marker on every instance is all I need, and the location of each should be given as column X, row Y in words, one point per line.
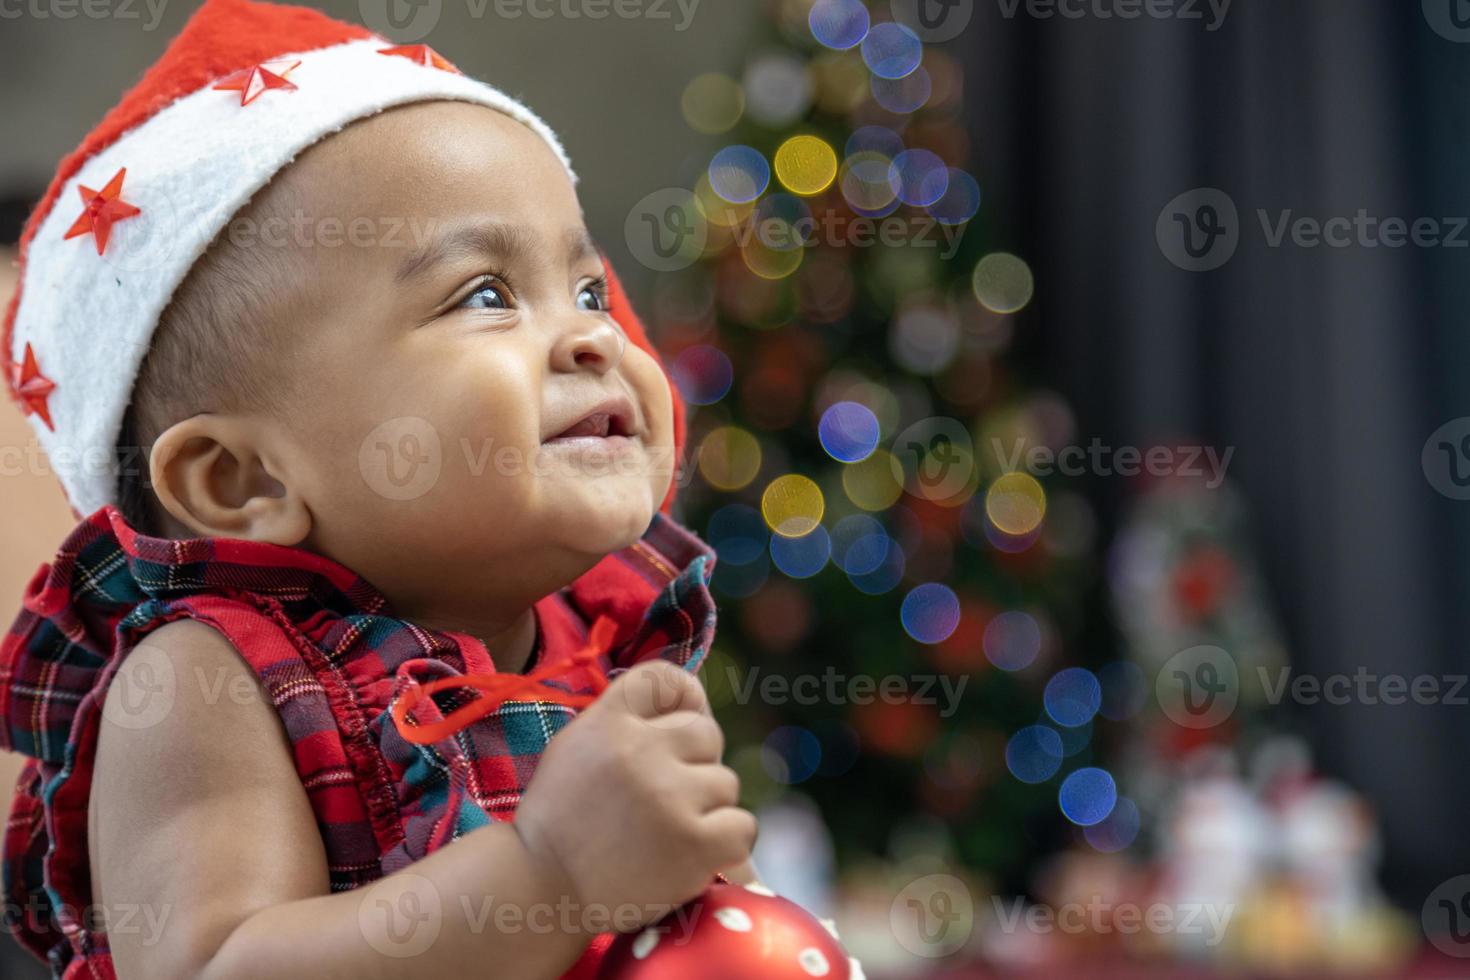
column 470, row 416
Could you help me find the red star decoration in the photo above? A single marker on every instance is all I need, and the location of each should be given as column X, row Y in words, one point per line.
column 250, row 82
column 33, row 387
column 101, row 210
column 421, row 54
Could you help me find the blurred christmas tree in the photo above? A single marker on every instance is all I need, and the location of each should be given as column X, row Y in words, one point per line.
column 897, row 593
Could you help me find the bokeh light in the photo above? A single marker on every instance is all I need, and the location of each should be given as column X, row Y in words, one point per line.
column 960, row 200
column 848, row 431
column 863, row 180
column 712, row 103
column 791, row 754
column 839, row 24
column 1072, row 697
column 859, row 544
column 702, row 373
column 871, row 484
column 737, row 533
column 739, row 173
column 930, row 612
column 924, row 339
column 874, row 139
column 1012, row 640
column 886, row 576
column 802, row 557
column 1016, row 504
column 1087, row 796
column 1117, row 830
column 918, row 177
column 770, row 263
column 902, row 95
column 1034, row 754
column 806, row 165
column 729, row 458
column 778, row 90
column 792, row 505
column 741, row 580
column 1003, row 283
column 891, row 50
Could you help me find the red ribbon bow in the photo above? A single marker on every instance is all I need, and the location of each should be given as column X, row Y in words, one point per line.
column 496, row 689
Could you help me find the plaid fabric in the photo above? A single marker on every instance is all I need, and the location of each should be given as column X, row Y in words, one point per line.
column 333, row 658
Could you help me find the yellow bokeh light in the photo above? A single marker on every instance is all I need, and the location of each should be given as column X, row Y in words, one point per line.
column 1016, row 504
column 792, row 505
column 770, row 263
column 806, row 165
column 729, row 458
column 1003, row 283
column 712, row 103
column 872, row 483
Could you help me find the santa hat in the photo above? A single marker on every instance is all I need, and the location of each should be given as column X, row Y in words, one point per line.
column 239, row 93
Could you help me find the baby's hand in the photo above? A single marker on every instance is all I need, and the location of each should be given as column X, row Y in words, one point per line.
column 630, row 807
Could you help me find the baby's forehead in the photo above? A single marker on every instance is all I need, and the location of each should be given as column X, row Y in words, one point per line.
column 418, row 153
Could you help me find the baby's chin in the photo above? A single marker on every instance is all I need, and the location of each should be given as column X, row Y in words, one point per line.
column 600, row 520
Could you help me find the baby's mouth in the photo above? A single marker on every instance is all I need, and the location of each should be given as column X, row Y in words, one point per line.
column 609, row 422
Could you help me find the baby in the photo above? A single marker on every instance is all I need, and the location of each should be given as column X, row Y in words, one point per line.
column 401, row 434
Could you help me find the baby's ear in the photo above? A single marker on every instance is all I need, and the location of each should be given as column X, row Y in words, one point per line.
column 214, row 475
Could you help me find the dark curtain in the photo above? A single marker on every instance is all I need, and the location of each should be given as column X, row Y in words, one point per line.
column 1326, row 368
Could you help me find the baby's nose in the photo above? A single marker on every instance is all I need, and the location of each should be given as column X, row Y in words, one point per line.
column 590, row 343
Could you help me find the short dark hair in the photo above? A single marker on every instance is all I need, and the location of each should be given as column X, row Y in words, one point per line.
column 210, row 350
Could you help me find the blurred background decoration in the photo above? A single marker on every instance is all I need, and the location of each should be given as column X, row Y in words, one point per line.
column 896, row 252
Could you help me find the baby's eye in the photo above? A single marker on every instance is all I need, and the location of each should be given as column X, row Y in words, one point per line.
column 486, row 297
column 592, row 297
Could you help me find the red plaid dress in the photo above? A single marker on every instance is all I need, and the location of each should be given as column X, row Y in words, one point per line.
column 333, row 659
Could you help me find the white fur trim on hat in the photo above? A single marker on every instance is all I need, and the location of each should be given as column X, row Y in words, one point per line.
column 190, row 168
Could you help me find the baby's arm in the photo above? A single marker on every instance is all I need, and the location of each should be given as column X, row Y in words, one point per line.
column 201, row 820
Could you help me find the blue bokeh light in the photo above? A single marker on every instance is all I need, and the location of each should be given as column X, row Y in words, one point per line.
column 1034, row 754
column 1117, row 830
column 930, row 612
column 848, row 431
column 1072, row 697
column 739, row 173
column 802, row 557
column 1087, row 796
column 839, row 24
column 859, row 544
column 892, row 50
column 791, row 754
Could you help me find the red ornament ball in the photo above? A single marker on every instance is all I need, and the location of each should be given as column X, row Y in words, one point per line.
column 730, row 933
